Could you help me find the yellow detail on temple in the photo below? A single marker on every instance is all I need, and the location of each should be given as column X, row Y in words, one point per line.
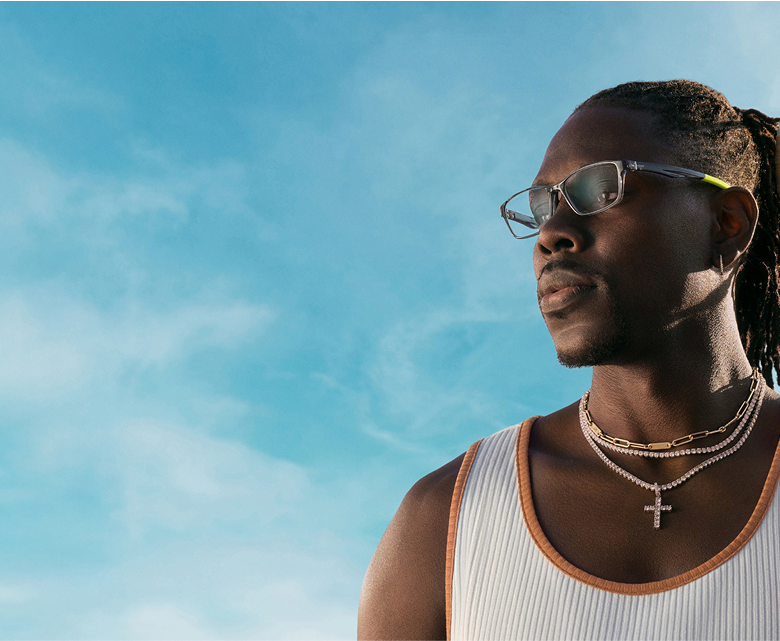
column 715, row 181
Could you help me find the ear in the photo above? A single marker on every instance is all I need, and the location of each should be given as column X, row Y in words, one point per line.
column 735, row 216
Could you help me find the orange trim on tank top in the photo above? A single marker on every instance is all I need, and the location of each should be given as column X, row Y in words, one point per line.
column 452, row 531
column 546, row 548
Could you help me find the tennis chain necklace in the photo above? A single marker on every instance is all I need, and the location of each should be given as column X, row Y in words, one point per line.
column 659, row 506
column 652, row 449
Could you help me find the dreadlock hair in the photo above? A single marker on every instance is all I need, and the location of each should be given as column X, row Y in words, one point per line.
column 707, row 134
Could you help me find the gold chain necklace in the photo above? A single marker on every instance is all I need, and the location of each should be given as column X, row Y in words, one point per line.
column 642, row 449
column 659, row 506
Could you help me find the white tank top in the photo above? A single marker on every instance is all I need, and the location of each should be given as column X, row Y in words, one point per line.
column 506, row 581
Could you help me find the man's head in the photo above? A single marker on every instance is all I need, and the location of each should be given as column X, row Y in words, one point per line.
column 634, row 270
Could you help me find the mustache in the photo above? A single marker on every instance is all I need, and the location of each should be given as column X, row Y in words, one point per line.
column 574, row 267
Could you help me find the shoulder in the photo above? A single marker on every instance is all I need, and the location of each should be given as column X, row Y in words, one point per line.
column 403, row 594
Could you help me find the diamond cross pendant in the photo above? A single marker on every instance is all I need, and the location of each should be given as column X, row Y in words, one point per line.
column 657, row 508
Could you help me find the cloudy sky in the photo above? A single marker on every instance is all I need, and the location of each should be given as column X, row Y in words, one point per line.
column 255, row 283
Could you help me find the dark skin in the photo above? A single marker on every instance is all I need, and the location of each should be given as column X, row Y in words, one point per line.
column 640, row 286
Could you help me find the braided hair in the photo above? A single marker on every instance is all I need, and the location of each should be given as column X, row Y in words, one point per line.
column 707, row 134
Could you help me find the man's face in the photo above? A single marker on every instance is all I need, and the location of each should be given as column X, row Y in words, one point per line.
column 613, row 286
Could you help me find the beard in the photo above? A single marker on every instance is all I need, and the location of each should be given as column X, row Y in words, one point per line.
column 598, row 350
column 613, row 339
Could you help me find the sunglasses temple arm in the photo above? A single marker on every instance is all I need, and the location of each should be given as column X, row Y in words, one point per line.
column 678, row 172
column 519, row 218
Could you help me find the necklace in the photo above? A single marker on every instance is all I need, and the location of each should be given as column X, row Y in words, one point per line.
column 652, row 449
column 623, row 446
column 658, row 506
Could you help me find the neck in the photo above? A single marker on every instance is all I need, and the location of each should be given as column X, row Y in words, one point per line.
column 686, row 387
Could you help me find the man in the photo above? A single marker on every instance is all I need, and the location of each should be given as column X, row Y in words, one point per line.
column 637, row 511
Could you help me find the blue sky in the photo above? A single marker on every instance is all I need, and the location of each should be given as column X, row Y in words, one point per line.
column 255, row 283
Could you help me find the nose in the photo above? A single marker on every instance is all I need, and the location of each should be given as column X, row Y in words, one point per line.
column 563, row 231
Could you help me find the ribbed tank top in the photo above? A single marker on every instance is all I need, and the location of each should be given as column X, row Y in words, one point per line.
column 506, row 581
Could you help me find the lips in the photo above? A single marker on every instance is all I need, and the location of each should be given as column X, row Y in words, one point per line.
column 560, row 289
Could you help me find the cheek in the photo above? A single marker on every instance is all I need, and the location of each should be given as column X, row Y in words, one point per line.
column 679, row 263
column 690, row 227
column 679, row 228
column 664, row 262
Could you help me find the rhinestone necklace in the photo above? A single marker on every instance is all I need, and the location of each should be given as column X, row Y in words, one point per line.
column 652, row 449
column 623, row 446
column 658, row 506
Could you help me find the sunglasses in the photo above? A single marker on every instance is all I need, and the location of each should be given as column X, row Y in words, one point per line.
column 589, row 190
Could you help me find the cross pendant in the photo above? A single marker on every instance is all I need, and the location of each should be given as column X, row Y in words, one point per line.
column 657, row 508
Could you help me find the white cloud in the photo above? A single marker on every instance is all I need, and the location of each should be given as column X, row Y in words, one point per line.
column 42, row 88
column 231, row 589
column 32, row 190
column 37, row 193
column 15, row 593
column 406, row 374
column 208, row 538
column 52, row 345
column 162, row 621
column 174, row 477
column 155, row 337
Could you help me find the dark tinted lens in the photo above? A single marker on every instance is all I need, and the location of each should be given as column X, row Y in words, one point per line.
column 593, row 188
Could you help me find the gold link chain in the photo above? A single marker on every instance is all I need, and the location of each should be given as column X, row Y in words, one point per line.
column 683, row 440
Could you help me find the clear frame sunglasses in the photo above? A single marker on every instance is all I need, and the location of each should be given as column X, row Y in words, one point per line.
column 588, row 190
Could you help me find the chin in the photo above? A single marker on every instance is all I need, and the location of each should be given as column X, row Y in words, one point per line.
column 595, row 352
column 605, row 339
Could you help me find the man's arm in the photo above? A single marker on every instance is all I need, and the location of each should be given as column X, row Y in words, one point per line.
column 403, row 594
